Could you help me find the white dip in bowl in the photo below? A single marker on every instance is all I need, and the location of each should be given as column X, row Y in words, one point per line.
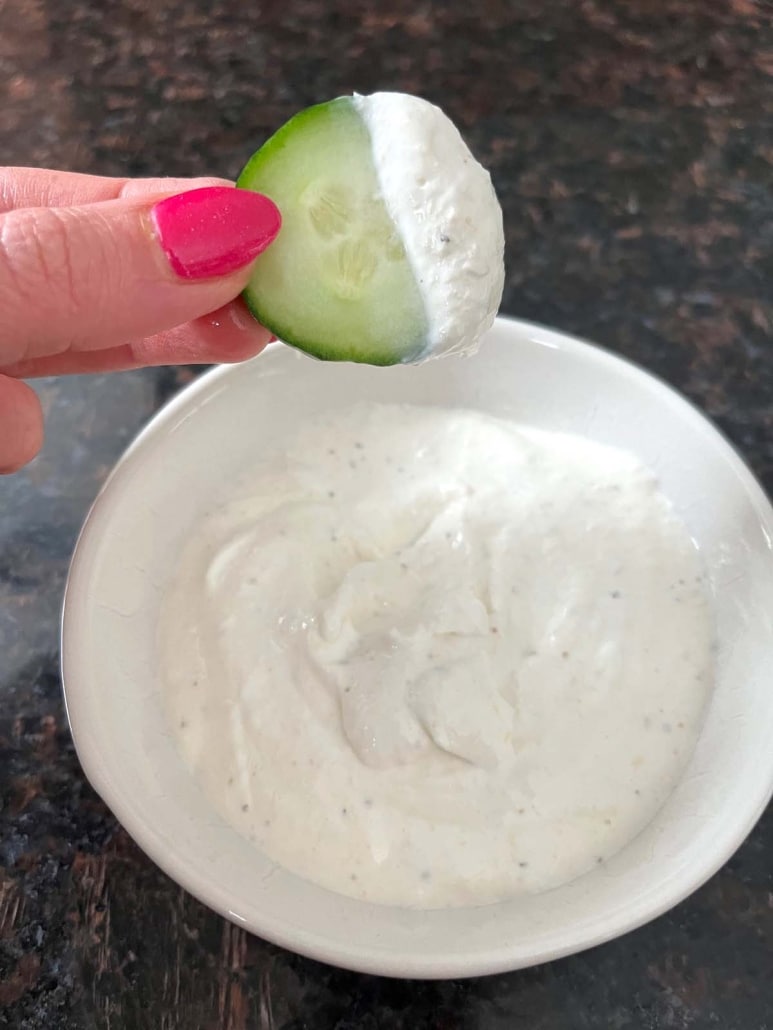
column 227, row 423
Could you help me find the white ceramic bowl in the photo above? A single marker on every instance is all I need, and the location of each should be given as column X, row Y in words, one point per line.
column 203, row 438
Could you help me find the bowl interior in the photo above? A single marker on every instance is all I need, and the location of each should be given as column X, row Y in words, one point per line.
column 204, row 438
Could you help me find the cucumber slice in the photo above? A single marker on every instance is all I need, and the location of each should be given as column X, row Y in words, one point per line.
column 336, row 282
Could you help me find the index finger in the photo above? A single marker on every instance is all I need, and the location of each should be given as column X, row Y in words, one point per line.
column 44, row 187
column 227, row 335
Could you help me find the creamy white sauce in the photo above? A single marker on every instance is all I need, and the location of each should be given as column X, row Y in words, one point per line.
column 429, row 658
column 446, row 212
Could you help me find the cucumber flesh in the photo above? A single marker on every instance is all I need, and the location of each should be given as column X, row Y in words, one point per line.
column 336, row 282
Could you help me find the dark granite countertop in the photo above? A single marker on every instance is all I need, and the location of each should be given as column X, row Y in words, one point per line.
column 631, row 142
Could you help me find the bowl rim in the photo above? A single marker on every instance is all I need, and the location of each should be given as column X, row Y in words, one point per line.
column 353, row 956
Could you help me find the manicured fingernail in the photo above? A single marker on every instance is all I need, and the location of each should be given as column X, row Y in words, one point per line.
column 214, row 231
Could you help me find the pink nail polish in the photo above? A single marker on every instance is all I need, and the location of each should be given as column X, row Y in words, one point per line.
column 213, row 231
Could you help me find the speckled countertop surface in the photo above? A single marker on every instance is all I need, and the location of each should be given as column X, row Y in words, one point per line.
column 632, row 146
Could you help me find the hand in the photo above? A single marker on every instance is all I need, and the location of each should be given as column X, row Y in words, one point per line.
column 101, row 274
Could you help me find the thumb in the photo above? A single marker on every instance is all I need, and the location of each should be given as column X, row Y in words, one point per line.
column 84, row 278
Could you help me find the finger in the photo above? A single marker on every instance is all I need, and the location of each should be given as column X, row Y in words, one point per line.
column 225, row 336
column 222, row 337
column 21, row 424
column 93, row 277
column 42, row 187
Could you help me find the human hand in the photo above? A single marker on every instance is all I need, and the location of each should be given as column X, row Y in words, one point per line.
column 100, row 274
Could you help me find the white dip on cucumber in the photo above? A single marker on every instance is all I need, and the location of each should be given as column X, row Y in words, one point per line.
column 428, row 658
column 392, row 246
column 446, row 212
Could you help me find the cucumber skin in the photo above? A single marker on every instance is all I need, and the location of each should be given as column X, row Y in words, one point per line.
column 283, row 332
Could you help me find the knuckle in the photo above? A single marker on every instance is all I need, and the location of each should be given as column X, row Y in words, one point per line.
column 36, row 281
column 51, row 269
column 35, row 252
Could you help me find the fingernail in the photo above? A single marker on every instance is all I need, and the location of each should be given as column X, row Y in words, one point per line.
column 213, row 231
